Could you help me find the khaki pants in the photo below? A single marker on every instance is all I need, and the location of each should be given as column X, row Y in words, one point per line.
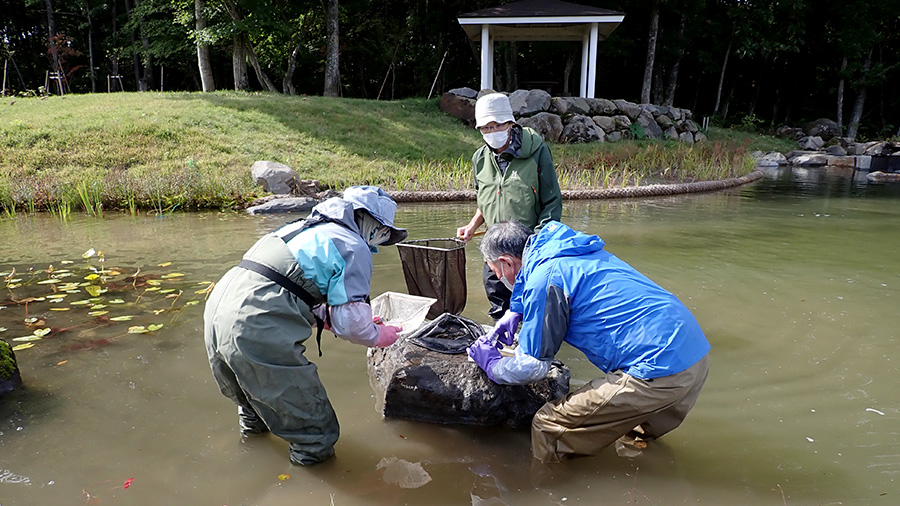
column 604, row 410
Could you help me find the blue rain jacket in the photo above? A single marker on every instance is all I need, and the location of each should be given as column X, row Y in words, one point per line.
column 570, row 289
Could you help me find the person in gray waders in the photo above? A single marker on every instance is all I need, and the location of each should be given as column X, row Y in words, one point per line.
column 260, row 314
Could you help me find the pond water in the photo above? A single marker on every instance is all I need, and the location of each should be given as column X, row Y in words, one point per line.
column 795, row 280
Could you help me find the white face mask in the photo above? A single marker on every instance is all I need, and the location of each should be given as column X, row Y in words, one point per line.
column 506, row 283
column 496, row 140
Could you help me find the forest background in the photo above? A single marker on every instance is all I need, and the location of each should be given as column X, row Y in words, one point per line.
column 755, row 63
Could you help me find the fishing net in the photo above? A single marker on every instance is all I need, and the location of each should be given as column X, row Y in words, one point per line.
column 448, row 333
column 436, row 268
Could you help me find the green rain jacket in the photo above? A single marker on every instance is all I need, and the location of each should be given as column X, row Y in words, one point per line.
column 527, row 190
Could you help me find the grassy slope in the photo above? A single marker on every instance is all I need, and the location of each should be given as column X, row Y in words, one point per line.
column 66, row 147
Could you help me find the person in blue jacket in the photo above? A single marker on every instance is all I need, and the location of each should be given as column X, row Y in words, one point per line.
column 566, row 287
column 260, row 314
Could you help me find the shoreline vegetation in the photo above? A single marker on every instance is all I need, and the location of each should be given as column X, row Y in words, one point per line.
column 167, row 152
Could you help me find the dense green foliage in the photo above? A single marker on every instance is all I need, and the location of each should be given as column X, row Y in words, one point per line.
column 171, row 151
column 757, row 63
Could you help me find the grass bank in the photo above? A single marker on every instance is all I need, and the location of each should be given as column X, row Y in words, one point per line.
column 170, row 151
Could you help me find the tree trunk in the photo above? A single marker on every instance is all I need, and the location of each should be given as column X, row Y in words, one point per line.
column 676, row 65
column 722, row 77
column 856, row 115
column 332, row 53
column 840, row 94
column 287, row 84
column 570, row 63
column 239, row 64
column 136, row 57
column 51, row 35
column 651, row 52
column 206, row 74
column 260, row 74
column 90, row 23
column 512, row 78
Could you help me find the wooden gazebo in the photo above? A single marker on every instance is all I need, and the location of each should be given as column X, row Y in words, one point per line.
column 542, row 20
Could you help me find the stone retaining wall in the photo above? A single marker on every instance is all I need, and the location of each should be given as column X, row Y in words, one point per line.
column 575, row 119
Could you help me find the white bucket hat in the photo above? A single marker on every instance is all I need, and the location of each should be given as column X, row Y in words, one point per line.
column 380, row 205
column 493, row 107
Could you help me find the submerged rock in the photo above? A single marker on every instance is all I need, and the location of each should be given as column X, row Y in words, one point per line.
column 416, row 383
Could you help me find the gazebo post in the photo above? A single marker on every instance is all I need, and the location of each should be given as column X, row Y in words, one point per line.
column 592, row 63
column 487, row 58
column 585, row 52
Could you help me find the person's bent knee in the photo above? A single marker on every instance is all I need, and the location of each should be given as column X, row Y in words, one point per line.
column 306, row 457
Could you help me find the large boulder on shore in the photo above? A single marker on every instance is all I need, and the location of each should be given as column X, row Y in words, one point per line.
column 824, row 128
column 275, row 177
column 529, row 102
column 549, row 125
column 10, row 377
column 458, row 106
column 416, row 383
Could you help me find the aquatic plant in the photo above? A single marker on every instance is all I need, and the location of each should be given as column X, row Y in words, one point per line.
column 90, row 295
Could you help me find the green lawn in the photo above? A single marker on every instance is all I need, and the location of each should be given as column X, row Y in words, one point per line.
column 169, row 151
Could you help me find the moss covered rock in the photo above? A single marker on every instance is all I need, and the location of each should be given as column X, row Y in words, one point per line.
column 9, row 369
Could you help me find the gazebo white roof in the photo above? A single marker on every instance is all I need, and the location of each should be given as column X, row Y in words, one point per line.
column 541, row 20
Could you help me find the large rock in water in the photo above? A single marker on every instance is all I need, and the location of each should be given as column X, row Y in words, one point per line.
column 416, row 383
column 10, row 378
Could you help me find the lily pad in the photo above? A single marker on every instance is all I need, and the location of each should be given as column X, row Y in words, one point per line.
column 42, row 332
column 98, row 313
column 172, row 275
column 22, row 346
column 153, row 327
column 28, row 338
column 121, row 318
column 137, row 329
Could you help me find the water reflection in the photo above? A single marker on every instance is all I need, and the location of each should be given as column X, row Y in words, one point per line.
column 794, row 279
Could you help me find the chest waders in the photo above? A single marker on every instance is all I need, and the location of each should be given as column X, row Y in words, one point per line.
column 283, row 281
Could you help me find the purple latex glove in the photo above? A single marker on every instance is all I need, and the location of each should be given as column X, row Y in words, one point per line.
column 484, row 353
column 505, row 328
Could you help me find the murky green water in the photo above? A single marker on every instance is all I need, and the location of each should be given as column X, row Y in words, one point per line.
column 795, row 279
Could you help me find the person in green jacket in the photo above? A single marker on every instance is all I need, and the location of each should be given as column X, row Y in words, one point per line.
column 514, row 180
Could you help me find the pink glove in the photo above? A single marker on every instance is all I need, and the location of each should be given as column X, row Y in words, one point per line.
column 387, row 334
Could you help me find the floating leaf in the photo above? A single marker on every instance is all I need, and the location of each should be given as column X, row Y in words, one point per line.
column 98, row 306
column 172, row 275
column 154, row 282
column 89, row 253
column 94, row 290
column 31, row 320
column 152, row 289
column 14, row 285
column 2, row 329
column 22, row 346
column 167, row 290
column 121, row 318
column 191, row 302
column 48, row 281
column 164, row 264
column 60, row 308
column 67, row 262
column 284, row 477
column 61, row 363
column 153, row 327
column 158, row 311
column 91, row 277
column 80, row 302
column 28, row 338
column 117, row 301
column 98, row 313
column 42, row 332
column 137, row 329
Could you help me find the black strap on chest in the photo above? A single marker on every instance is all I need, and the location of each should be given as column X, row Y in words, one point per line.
column 283, row 281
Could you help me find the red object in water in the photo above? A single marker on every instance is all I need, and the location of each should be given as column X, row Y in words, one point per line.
column 128, row 483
